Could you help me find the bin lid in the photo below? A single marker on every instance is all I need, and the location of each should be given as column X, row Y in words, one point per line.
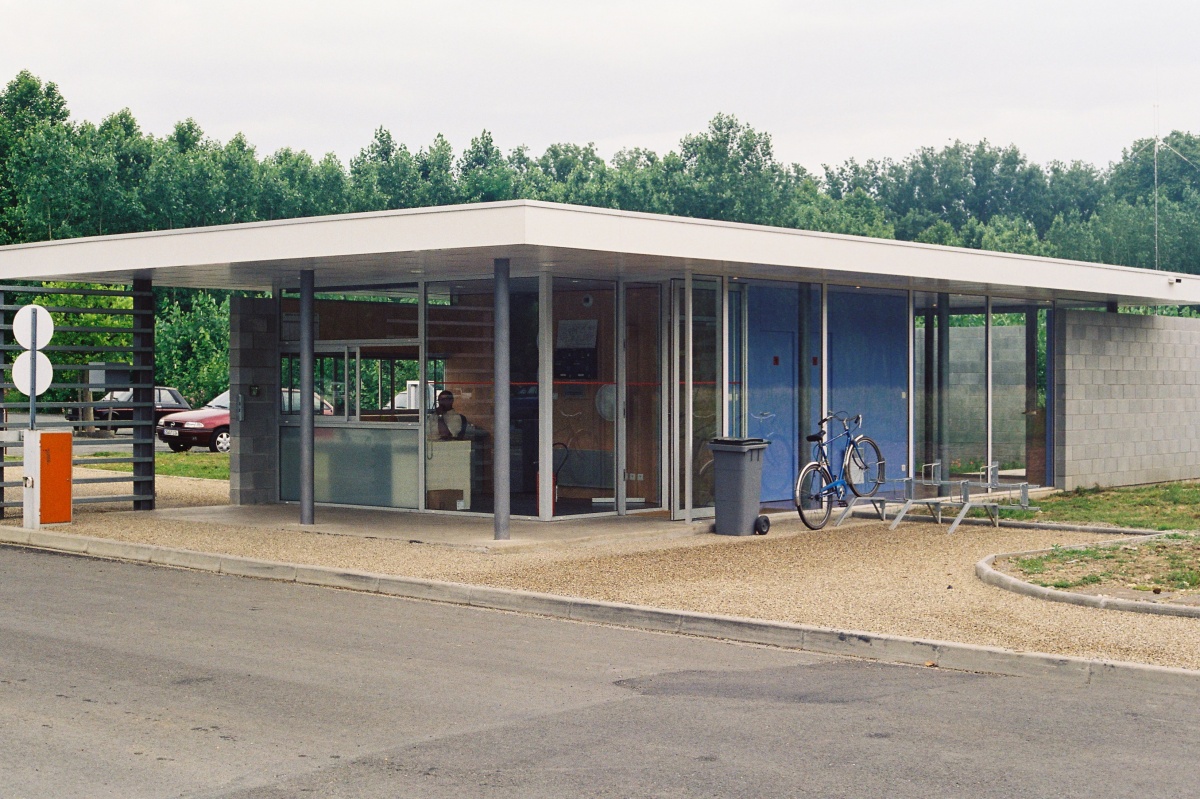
column 737, row 444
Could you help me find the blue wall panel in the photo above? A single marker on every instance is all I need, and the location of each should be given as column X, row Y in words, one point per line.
column 771, row 382
column 868, row 367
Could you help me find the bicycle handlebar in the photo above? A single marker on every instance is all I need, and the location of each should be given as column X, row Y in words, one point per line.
column 842, row 417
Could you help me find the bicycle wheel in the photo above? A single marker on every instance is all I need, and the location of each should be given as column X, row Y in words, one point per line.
column 863, row 469
column 814, row 502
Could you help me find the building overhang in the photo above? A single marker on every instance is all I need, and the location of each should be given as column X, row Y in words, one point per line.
column 461, row 242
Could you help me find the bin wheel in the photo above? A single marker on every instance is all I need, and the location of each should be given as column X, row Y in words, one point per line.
column 761, row 525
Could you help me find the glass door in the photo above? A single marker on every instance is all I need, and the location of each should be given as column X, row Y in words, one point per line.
column 584, row 393
column 696, row 368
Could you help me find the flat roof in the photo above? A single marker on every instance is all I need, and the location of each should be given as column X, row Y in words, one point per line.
column 460, row 242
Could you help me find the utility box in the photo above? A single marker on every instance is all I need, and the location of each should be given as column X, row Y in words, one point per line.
column 47, row 491
column 737, row 476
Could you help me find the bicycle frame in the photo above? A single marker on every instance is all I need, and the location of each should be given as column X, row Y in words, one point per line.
column 821, row 449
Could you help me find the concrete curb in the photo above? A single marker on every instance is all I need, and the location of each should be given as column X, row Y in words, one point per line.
column 873, row 646
column 986, row 572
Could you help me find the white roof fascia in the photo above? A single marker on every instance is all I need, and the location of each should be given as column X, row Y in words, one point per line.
column 308, row 240
column 707, row 240
column 740, row 248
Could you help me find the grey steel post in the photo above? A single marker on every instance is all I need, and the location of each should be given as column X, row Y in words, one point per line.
column 943, row 386
column 33, row 351
column 3, row 412
column 501, row 478
column 545, row 394
column 307, row 412
column 689, row 400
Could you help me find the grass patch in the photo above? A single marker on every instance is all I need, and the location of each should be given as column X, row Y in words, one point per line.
column 1168, row 506
column 1170, row 563
column 211, row 465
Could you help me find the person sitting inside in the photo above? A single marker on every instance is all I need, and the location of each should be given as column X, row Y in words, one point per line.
column 447, row 424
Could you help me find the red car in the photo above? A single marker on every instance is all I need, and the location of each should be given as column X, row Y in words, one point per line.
column 205, row 427
column 209, row 426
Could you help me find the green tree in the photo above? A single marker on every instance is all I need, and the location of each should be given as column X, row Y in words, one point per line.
column 384, row 176
column 577, row 175
column 640, row 180
column 193, row 347
column 45, row 184
column 185, row 184
column 1133, row 177
column 1012, row 234
column 240, row 180
column 439, row 183
column 24, row 103
column 730, row 173
column 857, row 214
column 484, row 175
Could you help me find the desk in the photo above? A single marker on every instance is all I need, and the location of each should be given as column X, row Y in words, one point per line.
column 448, row 466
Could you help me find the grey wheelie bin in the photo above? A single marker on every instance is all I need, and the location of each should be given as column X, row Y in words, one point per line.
column 737, row 475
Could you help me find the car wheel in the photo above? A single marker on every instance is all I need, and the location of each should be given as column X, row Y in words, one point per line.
column 177, row 447
column 220, row 440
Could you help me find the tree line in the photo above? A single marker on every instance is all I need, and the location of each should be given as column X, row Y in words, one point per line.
column 61, row 178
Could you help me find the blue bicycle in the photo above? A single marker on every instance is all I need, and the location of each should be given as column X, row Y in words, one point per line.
column 861, row 472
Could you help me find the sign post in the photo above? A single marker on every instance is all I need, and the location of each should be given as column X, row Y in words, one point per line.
column 47, row 494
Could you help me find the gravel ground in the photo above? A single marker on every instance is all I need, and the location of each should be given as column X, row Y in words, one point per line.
column 915, row 581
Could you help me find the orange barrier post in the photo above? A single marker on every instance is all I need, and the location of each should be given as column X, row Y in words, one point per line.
column 47, row 478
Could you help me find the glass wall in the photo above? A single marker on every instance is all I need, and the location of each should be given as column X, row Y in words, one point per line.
column 1019, row 390
column 365, row 397
column 375, row 415
column 643, row 396
column 460, row 454
column 951, row 393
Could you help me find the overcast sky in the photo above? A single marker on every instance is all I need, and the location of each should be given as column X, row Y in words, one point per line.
column 828, row 80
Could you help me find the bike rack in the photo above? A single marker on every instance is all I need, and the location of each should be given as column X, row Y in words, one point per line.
column 965, row 502
column 879, row 503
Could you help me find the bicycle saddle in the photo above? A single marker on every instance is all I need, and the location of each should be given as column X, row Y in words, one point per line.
column 815, row 437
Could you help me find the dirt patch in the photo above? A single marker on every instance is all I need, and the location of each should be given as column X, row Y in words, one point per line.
column 1159, row 569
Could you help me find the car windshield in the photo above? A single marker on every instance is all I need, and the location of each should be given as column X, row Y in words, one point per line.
column 118, row 396
column 219, row 401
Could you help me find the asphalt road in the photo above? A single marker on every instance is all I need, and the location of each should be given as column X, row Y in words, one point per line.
column 128, row 681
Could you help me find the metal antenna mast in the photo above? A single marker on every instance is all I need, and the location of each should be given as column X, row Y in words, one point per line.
column 1156, row 186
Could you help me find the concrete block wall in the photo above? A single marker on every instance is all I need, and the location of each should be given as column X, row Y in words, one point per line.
column 254, row 375
column 1127, row 391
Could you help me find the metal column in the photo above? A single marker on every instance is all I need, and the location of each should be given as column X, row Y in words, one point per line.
column 422, row 381
column 987, row 354
column 142, row 377
column 307, row 411
column 689, row 409
column 501, row 477
column 943, row 390
column 622, row 450
column 545, row 475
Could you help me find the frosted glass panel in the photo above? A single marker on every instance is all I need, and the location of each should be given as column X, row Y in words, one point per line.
column 368, row 465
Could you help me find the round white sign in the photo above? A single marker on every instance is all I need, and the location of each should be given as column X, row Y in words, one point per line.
column 22, row 368
column 23, row 327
